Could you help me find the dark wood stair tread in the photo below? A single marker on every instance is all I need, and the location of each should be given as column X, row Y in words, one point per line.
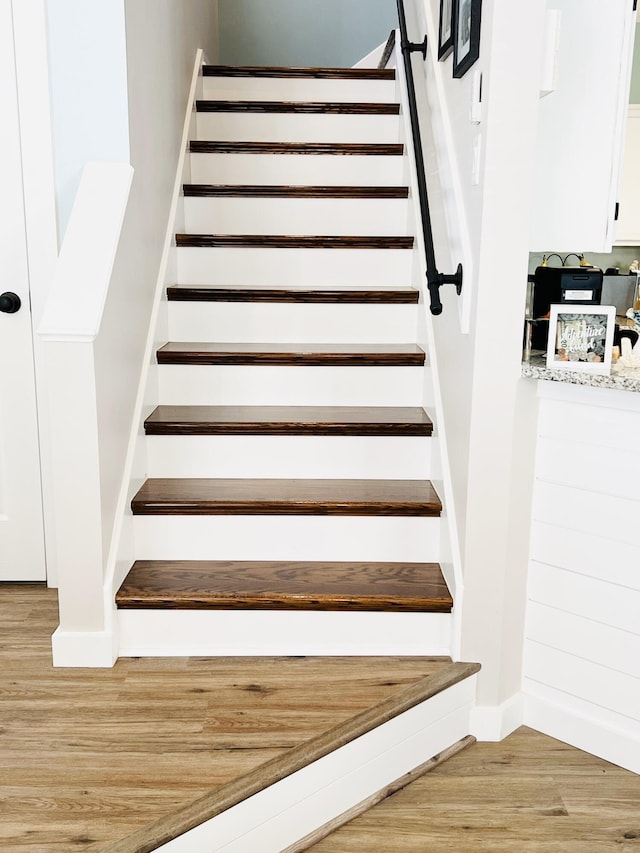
column 281, row 241
column 395, row 587
column 291, row 191
column 288, row 420
column 300, row 107
column 367, row 149
column 330, row 355
column 291, row 293
column 309, row 72
column 200, row 496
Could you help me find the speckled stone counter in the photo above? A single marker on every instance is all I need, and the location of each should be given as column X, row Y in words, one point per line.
column 536, row 369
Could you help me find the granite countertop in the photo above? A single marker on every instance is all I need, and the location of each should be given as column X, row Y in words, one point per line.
column 536, row 369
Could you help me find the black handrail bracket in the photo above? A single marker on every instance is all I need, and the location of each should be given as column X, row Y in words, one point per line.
column 435, row 279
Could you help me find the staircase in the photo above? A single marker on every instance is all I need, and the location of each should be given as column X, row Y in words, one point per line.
column 288, row 507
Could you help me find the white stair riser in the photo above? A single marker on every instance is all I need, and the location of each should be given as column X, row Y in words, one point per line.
column 250, row 385
column 333, row 216
column 297, row 127
column 274, row 267
column 282, row 322
column 237, row 633
column 280, row 537
column 298, row 169
column 298, row 89
column 289, row 456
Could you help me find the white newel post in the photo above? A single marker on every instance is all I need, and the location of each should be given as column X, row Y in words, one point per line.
column 69, row 330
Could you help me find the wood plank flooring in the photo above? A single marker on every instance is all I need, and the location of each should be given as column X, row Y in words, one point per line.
column 528, row 794
column 90, row 756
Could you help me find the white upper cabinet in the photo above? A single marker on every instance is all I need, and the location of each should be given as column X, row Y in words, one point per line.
column 581, row 126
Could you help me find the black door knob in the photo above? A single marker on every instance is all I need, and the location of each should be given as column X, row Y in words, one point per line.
column 9, row 302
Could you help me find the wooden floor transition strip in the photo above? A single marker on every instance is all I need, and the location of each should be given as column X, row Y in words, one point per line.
column 202, row 496
column 318, row 355
column 223, row 798
column 298, row 72
column 285, row 585
column 288, row 420
column 308, row 841
column 291, row 191
column 362, row 149
column 222, row 293
column 299, row 107
column 283, row 241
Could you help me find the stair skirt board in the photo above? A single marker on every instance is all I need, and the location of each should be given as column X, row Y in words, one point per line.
column 274, row 267
column 286, row 322
column 264, row 633
column 292, row 797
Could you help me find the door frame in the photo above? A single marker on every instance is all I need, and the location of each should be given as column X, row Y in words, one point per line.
column 36, row 142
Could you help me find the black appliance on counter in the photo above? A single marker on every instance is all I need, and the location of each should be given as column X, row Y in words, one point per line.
column 560, row 285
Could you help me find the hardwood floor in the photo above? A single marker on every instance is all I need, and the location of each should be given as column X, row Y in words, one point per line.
column 89, row 756
column 528, row 794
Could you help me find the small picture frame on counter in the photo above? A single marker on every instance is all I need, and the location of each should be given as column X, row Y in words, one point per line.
column 581, row 338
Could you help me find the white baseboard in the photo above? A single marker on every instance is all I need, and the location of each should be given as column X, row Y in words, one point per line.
column 587, row 733
column 495, row 723
column 84, row 648
column 290, row 809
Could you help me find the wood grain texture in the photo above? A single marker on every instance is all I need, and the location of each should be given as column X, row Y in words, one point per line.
column 221, row 293
column 528, row 793
column 299, row 107
column 336, row 355
column 279, row 241
column 273, row 771
column 89, row 756
column 381, row 587
column 290, row 191
column 361, row 149
column 202, row 496
column 388, row 50
column 287, row 420
column 312, row 73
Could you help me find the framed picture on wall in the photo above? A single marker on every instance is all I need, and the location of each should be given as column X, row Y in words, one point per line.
column 581, row 337
column 445, row 34
column 466, row 34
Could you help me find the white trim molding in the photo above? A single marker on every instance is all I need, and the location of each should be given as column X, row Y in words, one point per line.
column 493, row 724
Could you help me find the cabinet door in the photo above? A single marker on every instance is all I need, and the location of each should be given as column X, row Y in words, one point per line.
column 581, row 128
column 628, row 225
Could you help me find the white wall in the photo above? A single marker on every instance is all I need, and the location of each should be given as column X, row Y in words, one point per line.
column 582, row 650
column 88, row 81
column 302, row 32
column 489, row 412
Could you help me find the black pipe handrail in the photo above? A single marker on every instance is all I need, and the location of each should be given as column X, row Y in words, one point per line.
column 435, row 279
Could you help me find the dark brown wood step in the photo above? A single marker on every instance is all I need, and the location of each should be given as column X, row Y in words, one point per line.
column 200, row 496
column 363, row 149
column 293, row 293
column 281, row 241
column 311, row 73
column 214, row 585
column 291, row 191
column 301, row 107
column 329, row 355
column 288, row 420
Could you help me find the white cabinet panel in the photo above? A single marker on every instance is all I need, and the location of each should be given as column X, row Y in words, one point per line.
column 628, row 225
column 581, row 127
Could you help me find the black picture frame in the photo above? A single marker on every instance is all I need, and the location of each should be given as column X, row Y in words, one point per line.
column 466, row 34
column 445, row 31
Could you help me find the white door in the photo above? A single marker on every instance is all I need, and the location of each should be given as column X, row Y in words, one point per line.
column 22, row 556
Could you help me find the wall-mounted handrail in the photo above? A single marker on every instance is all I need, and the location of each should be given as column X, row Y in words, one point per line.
column 435, row 279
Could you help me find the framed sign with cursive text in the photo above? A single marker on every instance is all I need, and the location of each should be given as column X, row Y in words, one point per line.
column 581, row 337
